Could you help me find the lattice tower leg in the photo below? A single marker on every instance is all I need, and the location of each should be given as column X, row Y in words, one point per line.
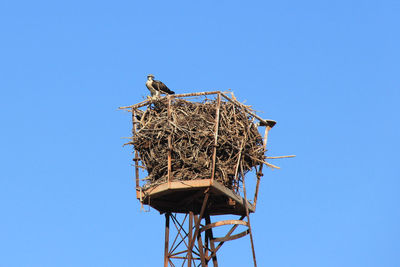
column 185, row 247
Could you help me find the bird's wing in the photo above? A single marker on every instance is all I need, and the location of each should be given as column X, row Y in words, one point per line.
column 160, row 86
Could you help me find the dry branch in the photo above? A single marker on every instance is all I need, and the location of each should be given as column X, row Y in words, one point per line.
column 190, row 129
column 281, row 157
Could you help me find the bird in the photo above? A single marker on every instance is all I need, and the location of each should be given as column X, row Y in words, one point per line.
column 156, row 87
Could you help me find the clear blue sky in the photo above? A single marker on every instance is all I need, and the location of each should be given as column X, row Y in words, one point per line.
column 326, row 71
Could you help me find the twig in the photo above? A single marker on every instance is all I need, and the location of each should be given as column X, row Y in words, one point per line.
column 281, row 157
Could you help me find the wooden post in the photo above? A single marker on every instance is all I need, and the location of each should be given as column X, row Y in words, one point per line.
column 237, row 103
column 147, row 102
column 236, row 179
column 259, row 173
column 136, row 159
column 169, row 143
column 215, row 136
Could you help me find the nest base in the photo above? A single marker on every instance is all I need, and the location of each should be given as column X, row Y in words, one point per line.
column 187, row 196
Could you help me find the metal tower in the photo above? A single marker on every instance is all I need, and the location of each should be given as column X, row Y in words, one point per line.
column 192, row 207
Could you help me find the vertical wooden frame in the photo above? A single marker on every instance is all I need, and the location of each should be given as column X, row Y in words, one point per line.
column 248, row 218
column 215, row 136
column 169, row 143
column 259, row 173
column 136, row 159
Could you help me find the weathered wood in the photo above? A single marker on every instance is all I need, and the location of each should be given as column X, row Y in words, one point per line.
column 134, row 128
column 149, row 101
column 138, row 105
column 266, row 163
column 239, row 200
column 215, row 137
column 271, row 165
column 264, row 122
column 216, row 188
column 169, row 143
column 176, row 185
column 259, row 173
column 237, row 164
column 185, row 127
column 281, row 157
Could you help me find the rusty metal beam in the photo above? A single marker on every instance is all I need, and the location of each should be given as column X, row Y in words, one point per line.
column 203, row 207
column 200, row 245
column 212, row 242
column 181, row 227
column 166, row 254
column 259, row 173
column 224, row 222
column 232, row 237
column 175, row 221
column 227, row 235
column 189, row 253
column 248, row 217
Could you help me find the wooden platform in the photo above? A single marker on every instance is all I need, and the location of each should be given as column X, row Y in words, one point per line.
column 185, row 196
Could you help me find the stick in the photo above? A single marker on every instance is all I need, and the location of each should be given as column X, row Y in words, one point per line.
column 281, row 157
column 266, row 163
column 271, row 165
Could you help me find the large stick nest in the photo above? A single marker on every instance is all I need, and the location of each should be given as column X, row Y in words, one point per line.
column 191, row 126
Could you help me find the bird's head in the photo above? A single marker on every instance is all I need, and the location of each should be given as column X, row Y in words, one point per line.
column 150, row 77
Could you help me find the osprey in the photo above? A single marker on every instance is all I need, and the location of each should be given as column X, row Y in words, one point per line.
column 156, row 87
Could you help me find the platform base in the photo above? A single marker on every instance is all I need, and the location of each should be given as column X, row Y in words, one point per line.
column 187, row 196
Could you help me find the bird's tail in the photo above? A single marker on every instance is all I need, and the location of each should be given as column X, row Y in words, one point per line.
column 169, row 91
